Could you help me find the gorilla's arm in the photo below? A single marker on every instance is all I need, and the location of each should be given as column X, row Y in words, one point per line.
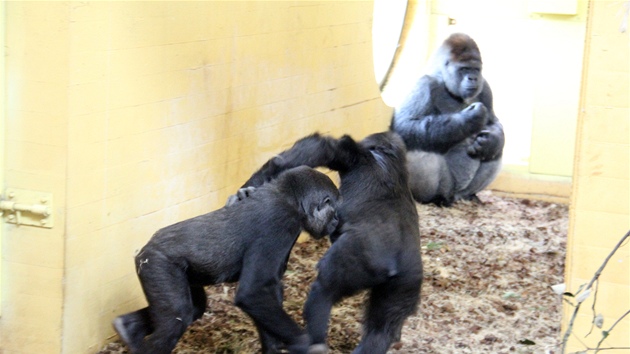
column 488, row 144
column 314, row 151
column 258, row 292
column 423, row 124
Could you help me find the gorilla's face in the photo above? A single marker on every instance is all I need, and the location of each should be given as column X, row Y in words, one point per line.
column 319, row 201
column 322, row 217
column 463, row 79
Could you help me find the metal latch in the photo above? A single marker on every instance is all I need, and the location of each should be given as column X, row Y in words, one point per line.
column 24, row 207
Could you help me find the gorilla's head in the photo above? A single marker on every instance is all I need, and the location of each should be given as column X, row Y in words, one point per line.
column 389, row 152
column 386, row 144
column 317, row 196
column 458, row 63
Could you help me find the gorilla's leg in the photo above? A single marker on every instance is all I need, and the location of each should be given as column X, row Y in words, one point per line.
column 462, row 167
column 199, row 300
column 133, row 327
column 269, row 343
column 429, row 178
column 317, row 311
column 170, row 299
column 339, row 275
column 388, row 307
column 258, row 296
column 485, row 174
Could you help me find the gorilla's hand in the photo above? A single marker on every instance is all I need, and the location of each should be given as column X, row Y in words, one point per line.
column 266, row 173
column 240, row 195
column 475, row 117
column 485, row 146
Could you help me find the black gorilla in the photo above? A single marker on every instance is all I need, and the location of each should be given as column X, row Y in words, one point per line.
column 248, row 242
column 453, row 138
column 377, row 243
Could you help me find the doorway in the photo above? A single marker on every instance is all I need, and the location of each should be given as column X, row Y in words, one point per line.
column 532, row 60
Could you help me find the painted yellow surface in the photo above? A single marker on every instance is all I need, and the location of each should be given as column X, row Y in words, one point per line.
column 600, row 200
column 136, row 115
column 35, row 158
column 3, row 103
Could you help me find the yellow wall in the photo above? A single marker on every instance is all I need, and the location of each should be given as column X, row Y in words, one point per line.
column 601, row 189
column 36, row 158
column 135, row 115
column 138, row 114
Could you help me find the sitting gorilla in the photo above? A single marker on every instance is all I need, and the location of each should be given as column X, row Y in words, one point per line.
column 248, row 241
column 377, row 243
column 453, row 138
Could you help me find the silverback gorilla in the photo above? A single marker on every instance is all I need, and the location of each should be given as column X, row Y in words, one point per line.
column 377, row 243
column 248, row 241
column 453, row 138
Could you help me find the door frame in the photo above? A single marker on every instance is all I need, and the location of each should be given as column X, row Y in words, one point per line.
column 3, row 115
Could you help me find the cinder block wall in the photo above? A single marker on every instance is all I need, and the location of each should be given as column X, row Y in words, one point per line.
column 36, row 158
column 136, row 115
column 600, row 202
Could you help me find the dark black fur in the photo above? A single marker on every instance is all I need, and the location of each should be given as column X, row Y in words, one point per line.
column 248, row 242
column 454, row 140
column 376, row 246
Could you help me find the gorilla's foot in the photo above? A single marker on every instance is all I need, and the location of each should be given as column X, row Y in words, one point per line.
column 441, row 201
column 125, row 333
column 475, row 199
column 274, row 347
column 300, row 344
column 318, row 349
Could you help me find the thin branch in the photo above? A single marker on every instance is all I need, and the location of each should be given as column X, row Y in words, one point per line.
column 580, row 340
column 609, row 348
column 568, row 302
column 610, row 329
column 614, row 348
column 601, row 269
column 593, row 308
column 619, row 320
column 565, row 338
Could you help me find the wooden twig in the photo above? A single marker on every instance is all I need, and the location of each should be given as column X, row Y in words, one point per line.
column 593, row 308
column 610, row 329
column 598, row 273
column 601, row 349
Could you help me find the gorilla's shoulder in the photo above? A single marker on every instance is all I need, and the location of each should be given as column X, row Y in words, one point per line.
column 427, row 83
column 435, row 82
column 421, row 94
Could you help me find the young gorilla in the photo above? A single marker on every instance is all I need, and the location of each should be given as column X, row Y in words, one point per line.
column 377, row 243
column 248, row 242
column 453, row 138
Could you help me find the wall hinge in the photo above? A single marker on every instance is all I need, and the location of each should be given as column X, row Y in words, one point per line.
column 24, row 207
